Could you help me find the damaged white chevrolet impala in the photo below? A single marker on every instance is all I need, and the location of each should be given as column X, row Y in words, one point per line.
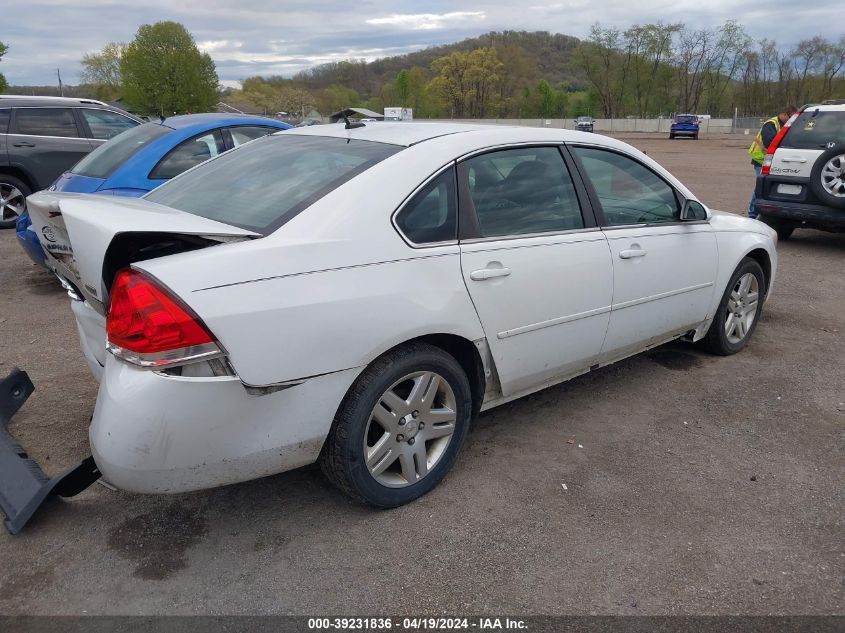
column 355, row 295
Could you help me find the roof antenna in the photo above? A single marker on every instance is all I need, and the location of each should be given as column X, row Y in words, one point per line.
column 350, row 125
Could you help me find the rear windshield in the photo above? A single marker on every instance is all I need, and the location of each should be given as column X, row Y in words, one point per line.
column 686, row 118
column 110, row 155
column 814, row 130
column 263, row 184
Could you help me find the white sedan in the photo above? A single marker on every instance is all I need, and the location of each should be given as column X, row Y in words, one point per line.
column 356, row 296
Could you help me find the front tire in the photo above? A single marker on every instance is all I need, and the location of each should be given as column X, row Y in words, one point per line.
column 13, row 193
column 738, row 312
column 399, row 428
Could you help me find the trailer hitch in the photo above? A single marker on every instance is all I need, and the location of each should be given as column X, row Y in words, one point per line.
column 23, row 485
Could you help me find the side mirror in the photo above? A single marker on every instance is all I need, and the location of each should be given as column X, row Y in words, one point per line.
column 693, row 211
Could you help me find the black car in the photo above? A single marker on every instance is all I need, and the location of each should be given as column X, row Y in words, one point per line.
column 41, row 137
column 584, row 123
column 802, row 184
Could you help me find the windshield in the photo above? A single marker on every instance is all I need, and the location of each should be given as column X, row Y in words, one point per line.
column 263, row 184
column 585, row 119
column 686, row 118
column 814, row 129
column 110, row 155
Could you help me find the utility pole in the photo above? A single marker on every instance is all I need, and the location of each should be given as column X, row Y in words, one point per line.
column 61, row 89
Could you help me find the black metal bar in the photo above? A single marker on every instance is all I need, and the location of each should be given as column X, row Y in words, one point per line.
column 23, row 485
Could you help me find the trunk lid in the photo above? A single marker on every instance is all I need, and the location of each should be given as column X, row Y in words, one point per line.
column 75, row 183
column 77, row 230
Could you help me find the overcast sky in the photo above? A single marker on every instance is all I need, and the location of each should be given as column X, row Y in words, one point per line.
column 282, row 36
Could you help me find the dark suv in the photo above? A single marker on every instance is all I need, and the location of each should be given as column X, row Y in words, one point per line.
column 802, row 184
column 41, row 137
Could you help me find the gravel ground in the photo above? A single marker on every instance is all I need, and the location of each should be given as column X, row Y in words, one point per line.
column 704, row 486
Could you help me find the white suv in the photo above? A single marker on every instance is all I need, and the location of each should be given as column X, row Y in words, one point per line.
column 802, row 184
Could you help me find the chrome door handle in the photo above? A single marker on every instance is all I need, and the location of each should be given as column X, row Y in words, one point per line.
column 489, row 273
column 632, row 253
column 795, row 159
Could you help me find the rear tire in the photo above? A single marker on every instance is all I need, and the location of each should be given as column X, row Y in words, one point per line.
column 400, row 426
column 827, row 180
column 738, row 312
column 13, row 193
column 671, row 137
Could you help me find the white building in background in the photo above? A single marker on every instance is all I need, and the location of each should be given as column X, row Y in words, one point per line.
column 398, row 114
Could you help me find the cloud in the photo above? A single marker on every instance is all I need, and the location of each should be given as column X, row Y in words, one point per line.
column 213, row 46
column 283, row 38
column 426, row 21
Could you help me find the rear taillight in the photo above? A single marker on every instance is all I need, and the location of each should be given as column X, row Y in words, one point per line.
column 773, row 146
column 148, row 326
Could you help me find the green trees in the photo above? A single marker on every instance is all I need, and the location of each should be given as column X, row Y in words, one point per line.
column 160, row 72
column 3, row 84
column 102, row 70
column 468, row 82
column 277, row 94
column 661, row 68
column 164, row 72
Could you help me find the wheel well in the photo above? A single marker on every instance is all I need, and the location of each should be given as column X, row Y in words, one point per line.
column 20, row 174
column 467, row 355
column 762, row 257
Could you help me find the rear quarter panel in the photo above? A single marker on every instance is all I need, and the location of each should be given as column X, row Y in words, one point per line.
column 301, row 325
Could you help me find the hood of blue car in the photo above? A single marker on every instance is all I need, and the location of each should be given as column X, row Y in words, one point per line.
column 75, row 183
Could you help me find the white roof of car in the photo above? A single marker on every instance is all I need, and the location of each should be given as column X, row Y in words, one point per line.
column 407, row 133
column 826, row 107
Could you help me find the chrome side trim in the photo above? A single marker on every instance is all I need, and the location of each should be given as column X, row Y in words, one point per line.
column 603, row 310
column 662, row 295
column 558, row 321
column 493, row 148
column 64, row 138
column 502, row 238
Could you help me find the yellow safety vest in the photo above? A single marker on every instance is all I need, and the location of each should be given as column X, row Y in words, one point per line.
column 757, row 151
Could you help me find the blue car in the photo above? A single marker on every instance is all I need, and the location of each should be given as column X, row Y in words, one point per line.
column 684, row 125
column 144, row 157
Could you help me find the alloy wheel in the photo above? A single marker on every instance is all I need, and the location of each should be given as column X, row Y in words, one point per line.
column 742, row 308
column 833, row 176
column 12, row 202
column 410, row 429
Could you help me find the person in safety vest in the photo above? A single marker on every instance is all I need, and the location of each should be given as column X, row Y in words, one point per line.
column 761, row 143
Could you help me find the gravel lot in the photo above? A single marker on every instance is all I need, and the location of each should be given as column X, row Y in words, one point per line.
column 704, row 486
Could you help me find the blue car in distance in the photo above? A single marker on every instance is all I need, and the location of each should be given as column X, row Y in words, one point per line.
column 142, row 158
column 684, row 125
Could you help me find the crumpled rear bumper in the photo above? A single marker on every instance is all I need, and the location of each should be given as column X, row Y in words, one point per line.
column 23, row 485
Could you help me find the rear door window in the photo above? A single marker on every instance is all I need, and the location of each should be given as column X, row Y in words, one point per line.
column 814, row 129
column 522, row 191
column 268, row 182
column 105, row 124
column 46, row 122
column 189, row 154
column 4, row 120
